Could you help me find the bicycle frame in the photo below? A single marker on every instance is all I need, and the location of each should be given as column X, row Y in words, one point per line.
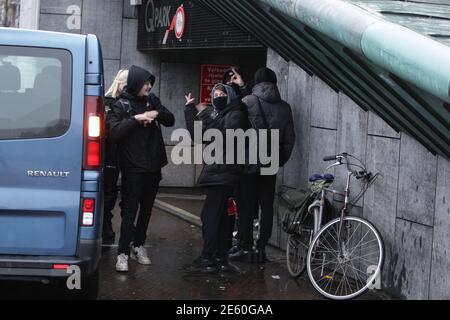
column 318, row 214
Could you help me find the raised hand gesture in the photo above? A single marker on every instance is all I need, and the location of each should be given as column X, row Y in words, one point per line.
column 189, row 99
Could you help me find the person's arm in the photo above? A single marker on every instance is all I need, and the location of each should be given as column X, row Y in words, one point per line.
column 165, row 117
column 120, row 124
column 189, row 115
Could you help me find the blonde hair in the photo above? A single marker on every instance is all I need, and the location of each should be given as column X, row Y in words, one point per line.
column 121, row 79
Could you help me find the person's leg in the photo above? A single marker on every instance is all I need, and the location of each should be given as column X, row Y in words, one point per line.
column 266, row 191
column 150, row 189
column 223, row 243
column 247, row 205
column 213, row 209
column 213, row 214
column 131, row 194
column 111, row 177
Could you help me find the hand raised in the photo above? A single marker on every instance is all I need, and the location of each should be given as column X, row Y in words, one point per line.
column 189, row 99
column 237, row 78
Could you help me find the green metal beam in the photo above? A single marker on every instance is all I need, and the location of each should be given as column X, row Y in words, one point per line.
column 411, row 56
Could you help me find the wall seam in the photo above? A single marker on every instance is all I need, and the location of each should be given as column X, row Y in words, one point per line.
column 434, row 229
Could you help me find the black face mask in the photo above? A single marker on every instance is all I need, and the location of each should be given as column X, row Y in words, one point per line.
column 220, row 103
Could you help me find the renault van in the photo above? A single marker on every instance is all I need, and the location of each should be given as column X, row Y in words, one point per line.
column 51, row 157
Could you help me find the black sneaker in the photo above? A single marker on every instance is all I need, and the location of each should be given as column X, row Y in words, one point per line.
column 201, row 265
column 242, row 256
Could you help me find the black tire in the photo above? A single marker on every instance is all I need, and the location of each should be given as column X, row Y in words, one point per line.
column 297, row 246
column 89, row 288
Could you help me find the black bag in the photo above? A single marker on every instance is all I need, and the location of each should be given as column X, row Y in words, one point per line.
column 255, row 169
column 293, row 206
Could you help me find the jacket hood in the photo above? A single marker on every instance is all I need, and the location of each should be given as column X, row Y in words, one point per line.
column 231, row 93
column 267, row 91
column 137, row 77
column 265, row 75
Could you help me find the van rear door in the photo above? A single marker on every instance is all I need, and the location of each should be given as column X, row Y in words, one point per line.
column 41, row 143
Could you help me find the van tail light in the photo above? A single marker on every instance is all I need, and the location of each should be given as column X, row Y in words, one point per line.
column 87, row 214
column 60, row 266
column 94, row 115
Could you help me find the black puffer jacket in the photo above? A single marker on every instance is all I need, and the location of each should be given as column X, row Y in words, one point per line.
column 141, row 148
column 234, row 116
column 278, row 114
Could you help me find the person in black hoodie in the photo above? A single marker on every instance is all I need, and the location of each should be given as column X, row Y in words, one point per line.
column 136, row 121
column 259, row 190
column 228, row 112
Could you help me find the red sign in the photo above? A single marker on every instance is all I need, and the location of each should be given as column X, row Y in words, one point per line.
column 211, row 74
column 180, row 22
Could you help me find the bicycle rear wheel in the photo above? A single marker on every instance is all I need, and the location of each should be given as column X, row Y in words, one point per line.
column 297, row 247
column 346, row 270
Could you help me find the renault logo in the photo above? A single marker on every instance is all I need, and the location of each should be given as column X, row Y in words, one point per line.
column 48, row 174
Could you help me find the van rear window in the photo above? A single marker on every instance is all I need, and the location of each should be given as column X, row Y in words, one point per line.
column 35, row 92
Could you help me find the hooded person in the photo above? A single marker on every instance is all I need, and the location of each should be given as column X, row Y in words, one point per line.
column 136, row 120
column 219, row 177
column 266, row 110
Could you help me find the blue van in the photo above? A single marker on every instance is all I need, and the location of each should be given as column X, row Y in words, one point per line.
column 51, row 156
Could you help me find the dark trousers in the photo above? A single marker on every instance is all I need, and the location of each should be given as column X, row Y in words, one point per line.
column 255, row 192
column 138, row 193
column 215, row 222
column 111, row 177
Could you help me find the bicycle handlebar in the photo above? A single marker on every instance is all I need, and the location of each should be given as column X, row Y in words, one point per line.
column 329, row 158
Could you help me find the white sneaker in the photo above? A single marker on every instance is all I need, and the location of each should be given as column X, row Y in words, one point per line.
column 140, row 255
column 122, row 263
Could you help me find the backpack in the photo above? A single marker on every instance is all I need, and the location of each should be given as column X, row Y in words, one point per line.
column 293, row 206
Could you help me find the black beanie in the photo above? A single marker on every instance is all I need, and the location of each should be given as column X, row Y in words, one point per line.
column 265, row 75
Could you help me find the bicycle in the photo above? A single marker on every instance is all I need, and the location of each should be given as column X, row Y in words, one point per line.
column 344, row 257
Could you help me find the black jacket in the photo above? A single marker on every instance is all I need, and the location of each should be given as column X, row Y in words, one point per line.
column 141, row 148
column 234, row 116
column 278, row 114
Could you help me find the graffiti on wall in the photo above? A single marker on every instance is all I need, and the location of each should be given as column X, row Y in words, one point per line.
column 9, row 13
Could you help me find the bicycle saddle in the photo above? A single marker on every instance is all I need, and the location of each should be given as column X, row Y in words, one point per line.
column 318, row 177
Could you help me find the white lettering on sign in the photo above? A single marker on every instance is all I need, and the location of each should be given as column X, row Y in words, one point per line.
column 156, row 17
column 74, row 21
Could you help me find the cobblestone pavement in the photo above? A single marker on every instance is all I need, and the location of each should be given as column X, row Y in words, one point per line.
column 173, row 243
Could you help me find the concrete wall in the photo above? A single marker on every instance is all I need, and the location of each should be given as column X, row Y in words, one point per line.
column 410, row 205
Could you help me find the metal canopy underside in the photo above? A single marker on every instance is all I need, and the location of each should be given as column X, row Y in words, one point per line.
column 402, row 105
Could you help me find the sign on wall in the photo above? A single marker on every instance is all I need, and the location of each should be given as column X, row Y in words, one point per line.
column 210, row 75
column 177, row 24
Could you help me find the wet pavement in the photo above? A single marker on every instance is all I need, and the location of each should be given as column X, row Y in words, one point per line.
column 173, row 243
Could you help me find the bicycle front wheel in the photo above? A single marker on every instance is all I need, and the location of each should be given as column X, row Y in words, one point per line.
column 345, row 268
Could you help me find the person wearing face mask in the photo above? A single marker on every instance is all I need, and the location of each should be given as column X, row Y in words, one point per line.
column 228, row 112
column 136, row 121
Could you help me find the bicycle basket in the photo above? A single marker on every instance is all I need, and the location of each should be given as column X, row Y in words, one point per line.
column 293, row 205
